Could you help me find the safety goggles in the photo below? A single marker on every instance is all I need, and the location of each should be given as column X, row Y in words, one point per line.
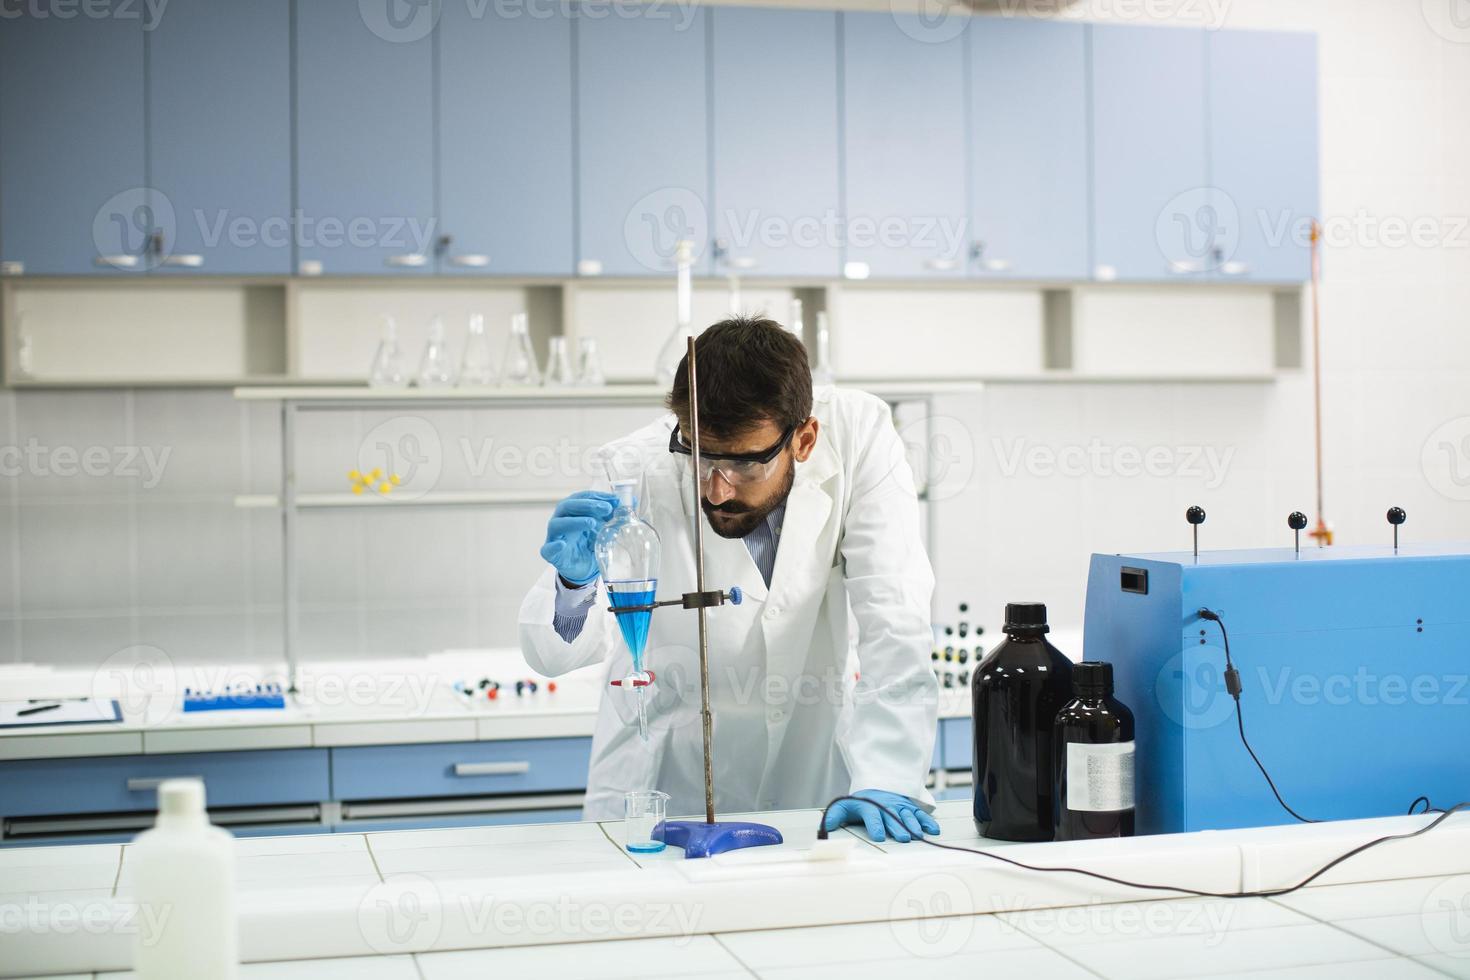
column 736, row 469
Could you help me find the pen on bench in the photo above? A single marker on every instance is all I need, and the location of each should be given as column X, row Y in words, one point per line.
column 33, row 711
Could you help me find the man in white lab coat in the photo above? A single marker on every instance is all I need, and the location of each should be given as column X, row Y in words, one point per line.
column 810, row 509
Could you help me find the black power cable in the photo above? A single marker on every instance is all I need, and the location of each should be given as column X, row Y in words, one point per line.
column 1233, row 685
column 1180, row 889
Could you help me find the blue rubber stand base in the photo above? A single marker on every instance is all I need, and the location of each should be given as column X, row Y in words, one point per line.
column 700, row 839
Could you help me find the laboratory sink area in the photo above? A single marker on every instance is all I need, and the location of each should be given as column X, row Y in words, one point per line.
column 637, row 489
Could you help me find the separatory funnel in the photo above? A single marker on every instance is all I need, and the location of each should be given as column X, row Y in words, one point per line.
column 628, row 555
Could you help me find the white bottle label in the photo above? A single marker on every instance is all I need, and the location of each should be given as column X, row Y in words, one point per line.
column 1100, row 777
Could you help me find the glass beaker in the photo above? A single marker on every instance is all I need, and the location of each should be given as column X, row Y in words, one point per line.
column 520, row 367
column 387, row 370
column 475, row 367
column 644, row 812
column 435, row 369
column 559, row 364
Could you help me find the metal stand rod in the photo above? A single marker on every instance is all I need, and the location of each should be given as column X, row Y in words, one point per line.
column 705, row 717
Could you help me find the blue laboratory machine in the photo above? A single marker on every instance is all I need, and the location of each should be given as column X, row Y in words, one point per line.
column 1354, row 667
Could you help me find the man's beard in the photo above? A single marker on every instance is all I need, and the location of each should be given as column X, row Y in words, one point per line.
column 739, row 519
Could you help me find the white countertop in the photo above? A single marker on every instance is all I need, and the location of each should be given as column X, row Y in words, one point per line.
column 343, row 702
column 566, row 900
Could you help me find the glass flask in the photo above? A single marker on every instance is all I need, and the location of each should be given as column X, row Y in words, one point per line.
column 559, row 364
column 589, row 364
column 475, row 367
column 435, row 368
column 520, row 367
column 388, row 370
column 822, row 373
column 25, row 362
column 628, row 555
column 644, row 811
column 795, row 321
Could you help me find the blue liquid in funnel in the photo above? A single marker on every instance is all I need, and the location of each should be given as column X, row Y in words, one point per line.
column 633, row 625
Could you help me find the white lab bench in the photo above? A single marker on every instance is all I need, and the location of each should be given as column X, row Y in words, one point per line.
column 565, row 900
column 368, row 745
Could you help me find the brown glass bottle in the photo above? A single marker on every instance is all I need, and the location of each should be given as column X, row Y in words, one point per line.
column 1093, row 753
column 1017, row 690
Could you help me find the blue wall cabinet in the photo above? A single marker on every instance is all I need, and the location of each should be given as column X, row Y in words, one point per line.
column 505, row 132
column 904, row 147
column 71, row 145
column 1263, row 152
column 1028, row 149
column 1153, row 215
column 219, row 136
column 365, row 137
column 643, row 153
column 776, row 196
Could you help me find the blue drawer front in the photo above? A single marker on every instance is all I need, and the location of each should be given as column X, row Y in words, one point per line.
column 958, row 738
column 460, row 768
column 32, row 787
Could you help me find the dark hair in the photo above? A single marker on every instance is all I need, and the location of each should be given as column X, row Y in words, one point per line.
column 751, row 370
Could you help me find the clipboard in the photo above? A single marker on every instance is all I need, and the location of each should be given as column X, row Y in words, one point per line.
column 68, row 711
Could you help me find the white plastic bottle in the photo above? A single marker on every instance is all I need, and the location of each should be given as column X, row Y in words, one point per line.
column 185, row 888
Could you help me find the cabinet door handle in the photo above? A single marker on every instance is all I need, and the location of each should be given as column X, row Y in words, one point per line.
column 996, row 265
column 741, row 262
column 470, row 261
column 941, row 265
column 1235, row 269
column 12, row 268
column 185, row 260
column 589, row 267
column 491, row 768
column 410, row 261
column 855, row 270
column 117, row 261
column 1183, row 267
column 142, row 784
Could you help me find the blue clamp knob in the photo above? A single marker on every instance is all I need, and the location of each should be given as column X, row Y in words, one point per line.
column 736, row 595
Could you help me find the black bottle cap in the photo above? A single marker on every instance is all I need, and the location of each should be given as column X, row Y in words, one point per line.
column 1093, row 678
column 1026, row 617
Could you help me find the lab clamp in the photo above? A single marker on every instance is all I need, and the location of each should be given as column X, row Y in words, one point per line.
column 628, row 554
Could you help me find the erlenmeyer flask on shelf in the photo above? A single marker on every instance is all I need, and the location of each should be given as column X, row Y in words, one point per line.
column 435, row 368
column 589, row 364
column 795, row 323
column 388, row 370
column 559, row 364
column 822, row 372
column 475, row 367
column 628, row 552
column 520, row 367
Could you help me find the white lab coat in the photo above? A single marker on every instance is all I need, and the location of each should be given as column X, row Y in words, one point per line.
column 792, row 729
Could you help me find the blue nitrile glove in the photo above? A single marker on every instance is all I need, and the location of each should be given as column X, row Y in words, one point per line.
column 913, row 822
column 572, row 531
